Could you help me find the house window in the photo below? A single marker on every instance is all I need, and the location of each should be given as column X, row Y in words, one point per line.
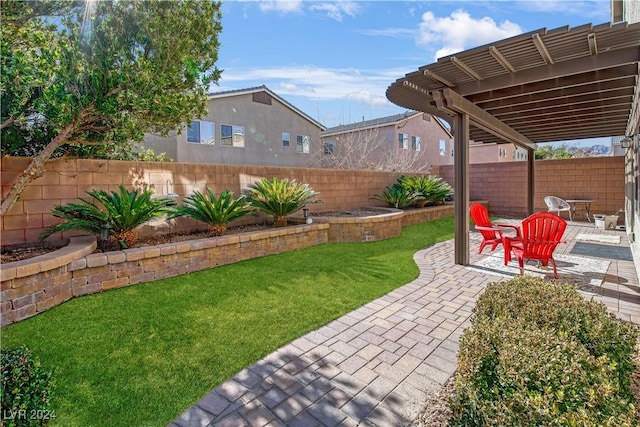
column 415, row 143
column 329, row 148
column 286, row 139
column 200, row 132
column 232, row 136
column 302, row 144
column 403, row 141
column 443, row 147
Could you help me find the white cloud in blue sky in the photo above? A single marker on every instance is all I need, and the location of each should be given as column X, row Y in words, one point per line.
column 336, row 10
column 459, row 31
column 335, row 59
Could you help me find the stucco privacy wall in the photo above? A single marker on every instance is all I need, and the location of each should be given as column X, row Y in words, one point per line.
column 66, row 180
column 503, row 185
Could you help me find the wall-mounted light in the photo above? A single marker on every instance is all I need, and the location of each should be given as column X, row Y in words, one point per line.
column 626, row 142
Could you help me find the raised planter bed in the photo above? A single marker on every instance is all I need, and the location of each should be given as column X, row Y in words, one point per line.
column 33, row 285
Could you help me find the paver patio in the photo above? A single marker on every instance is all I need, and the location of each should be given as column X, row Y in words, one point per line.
column 376, row 365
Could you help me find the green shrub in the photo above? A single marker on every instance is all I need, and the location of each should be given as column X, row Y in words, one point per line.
column 212, row 210
column 279, row 197
column 121, row 211
column 26, row 390
column 539, row 354
column 396, row 196
column 428, row 190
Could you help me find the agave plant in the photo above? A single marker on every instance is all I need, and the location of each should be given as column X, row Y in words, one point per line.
column 212, row 210
column 279, row 197
column 120, row 211
column 396, row 196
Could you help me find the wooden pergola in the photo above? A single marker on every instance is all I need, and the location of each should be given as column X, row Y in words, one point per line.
column 541, row 86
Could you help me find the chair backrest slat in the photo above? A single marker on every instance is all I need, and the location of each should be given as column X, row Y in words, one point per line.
column 541, row 233
column 480, row 216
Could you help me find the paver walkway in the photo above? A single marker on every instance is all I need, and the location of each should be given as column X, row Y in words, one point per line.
column 375, row 365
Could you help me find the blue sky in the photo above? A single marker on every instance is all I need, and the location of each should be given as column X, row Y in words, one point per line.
column 334, row 60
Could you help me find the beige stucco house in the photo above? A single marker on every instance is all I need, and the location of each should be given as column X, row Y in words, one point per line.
column 251, row 126
column 411, row 141
column 496, row 153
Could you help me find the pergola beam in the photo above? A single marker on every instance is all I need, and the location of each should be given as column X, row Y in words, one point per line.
column 601, row 61
column 465, row 68
column 481, row 118
column 565, row 93
column 541, row 87
column 606, row 76
column 499, row 57
column 544, row 53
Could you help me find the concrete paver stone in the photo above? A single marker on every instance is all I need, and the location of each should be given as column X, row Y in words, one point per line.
column 375, row 365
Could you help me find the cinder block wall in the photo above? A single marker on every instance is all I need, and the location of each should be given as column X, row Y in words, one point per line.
column 503, row 185
column 66, row 180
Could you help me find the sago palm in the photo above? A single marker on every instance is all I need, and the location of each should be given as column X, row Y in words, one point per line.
column 279, row 197
column 121, row 211
column 396, row 196
column 212, row 210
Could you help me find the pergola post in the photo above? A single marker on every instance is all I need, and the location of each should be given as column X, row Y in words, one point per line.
column 461, row 187
column 531, row 175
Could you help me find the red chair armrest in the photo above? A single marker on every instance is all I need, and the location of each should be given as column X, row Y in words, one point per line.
column 515, row 227
column 483, row 228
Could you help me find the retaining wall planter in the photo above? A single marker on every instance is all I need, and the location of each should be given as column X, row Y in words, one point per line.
column 31, row 286
column 34, row 285
column 364, row 229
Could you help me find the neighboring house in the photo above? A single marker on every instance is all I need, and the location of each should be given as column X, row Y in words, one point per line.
column 412, row 141
column 248, row 126
column 494, row 153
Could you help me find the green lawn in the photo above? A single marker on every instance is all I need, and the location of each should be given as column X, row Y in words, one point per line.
column 139, row 356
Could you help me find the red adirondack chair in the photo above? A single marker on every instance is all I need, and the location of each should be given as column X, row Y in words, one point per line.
column 540, row 234
column 491, row 232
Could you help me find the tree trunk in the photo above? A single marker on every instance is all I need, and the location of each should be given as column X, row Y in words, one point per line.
column 280, row 220
column 35, row 169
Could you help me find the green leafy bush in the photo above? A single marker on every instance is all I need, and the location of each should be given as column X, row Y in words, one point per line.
column 421, row 189
column 538, row 353
column 396, row 196
column 428, row 190
column 212, row 210
column 26, row 390
column 121, row 211
column 279, row 197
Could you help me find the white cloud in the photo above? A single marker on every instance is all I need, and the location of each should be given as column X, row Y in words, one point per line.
column 318, row 84
column 336, row 10
column 366, row 97
column 283, row 6
column 460, row 31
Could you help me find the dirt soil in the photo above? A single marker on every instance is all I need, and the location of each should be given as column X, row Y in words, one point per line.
column 26, row 253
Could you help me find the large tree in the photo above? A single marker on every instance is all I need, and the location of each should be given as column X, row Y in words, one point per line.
column 101, row 73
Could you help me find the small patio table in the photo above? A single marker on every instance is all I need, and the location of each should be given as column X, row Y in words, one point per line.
column 574, row 204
